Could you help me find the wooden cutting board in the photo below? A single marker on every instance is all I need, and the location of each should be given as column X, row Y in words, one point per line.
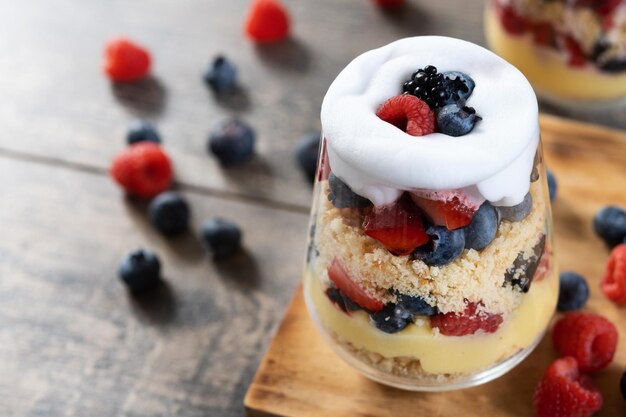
column 301, row 377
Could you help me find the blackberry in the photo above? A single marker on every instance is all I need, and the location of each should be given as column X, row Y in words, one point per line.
column 428, row 85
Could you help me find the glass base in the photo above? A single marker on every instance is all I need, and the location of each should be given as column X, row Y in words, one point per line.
column 414, row 384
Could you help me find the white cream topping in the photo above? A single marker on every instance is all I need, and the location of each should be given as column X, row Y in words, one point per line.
column 379, row 161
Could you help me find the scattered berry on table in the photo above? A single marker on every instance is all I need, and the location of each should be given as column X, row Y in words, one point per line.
column 452, row 210
column 222, row 237
column 142, row 131
column 552, row 184
column 140, row 270
column 522, row 273
column 590, row 338
column 342, row 196
column 415, row 305
column 573, row 291
column 221, row 75
column 564, row 392
column 232, row 142
column 126, row 61
column 409, row 114
column 390, row 4
column 456, row 120
column 169, row 213
column 610, row 224
column 143, row 169
column 399, row 226
column 483, row 228
column 459, row 85
column 470, row 321
column 267, row 21
column 307, row 151
column 614, row 281
column 444, row 246
column 392, row 318
column 340, row 276
column 518, row 212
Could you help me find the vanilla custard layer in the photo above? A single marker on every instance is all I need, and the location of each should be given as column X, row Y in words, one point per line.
column 546, row 69
column 439, row 354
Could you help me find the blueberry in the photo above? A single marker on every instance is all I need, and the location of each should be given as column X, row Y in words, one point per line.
column 444, row 246
column 459, row 84
column 573, row 291
column 520, row 275
column 169, row 213
column 307, row 150
column 223, row 238
column 221, row 75
column 142, row 130
column 415, row 305
column 610, row 225
column 342, row 196
column 455, row 120
column 140, row 270
column 483, row 228
column 552, row 185
column 392, row 318
column 232, row 142
column 518, row 212
column 336, row 297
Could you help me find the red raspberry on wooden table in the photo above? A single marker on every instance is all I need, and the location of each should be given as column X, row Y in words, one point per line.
column 125, row 60
column 589, row 338
column 614, row 282
column 471, row 321
column 564, row 392
column 142, row 169
column 409, row 114
column 268, row 21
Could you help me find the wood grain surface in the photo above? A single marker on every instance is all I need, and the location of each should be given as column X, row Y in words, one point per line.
column 300, row 376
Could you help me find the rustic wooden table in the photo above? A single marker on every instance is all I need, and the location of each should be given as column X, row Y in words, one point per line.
column 72, row 342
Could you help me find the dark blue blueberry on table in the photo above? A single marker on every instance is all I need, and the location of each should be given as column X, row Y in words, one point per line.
column 140, row 270
column 342, row 196
column 392, row 318
column 518, row 212
column 483, row 228
column 232, row 142
column 456, row 120
column 222, row 238
column 459, row 85
column 573, row 291
column 610, row 225
column 552, row 185
column 415, row 305
column 142, row 130
column 444, row 246
column 169, row 213
column 307, row 151
column 221, row 75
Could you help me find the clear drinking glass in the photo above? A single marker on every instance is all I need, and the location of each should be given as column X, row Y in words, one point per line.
column 407, row 291
column 573, row 53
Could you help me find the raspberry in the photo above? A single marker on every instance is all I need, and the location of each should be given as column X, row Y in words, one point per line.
column 143, row 169
column 409, row 114
column 563, row 392
column 471, row 321
column 513, row 22
column 267, row 21
column 341, row 278
column 590, row 338
column 125, row 60
column 389, row 4
column 614, row 282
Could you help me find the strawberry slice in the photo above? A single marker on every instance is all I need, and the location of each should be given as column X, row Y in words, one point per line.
column 450, row 209
column 399, row 227
column 341, row 278
column 469, row 322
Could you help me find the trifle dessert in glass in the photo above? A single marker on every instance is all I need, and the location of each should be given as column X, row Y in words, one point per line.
column 572, row 51
column 429, row 264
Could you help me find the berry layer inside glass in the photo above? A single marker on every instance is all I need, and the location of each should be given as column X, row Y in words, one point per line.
column 568, row 50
